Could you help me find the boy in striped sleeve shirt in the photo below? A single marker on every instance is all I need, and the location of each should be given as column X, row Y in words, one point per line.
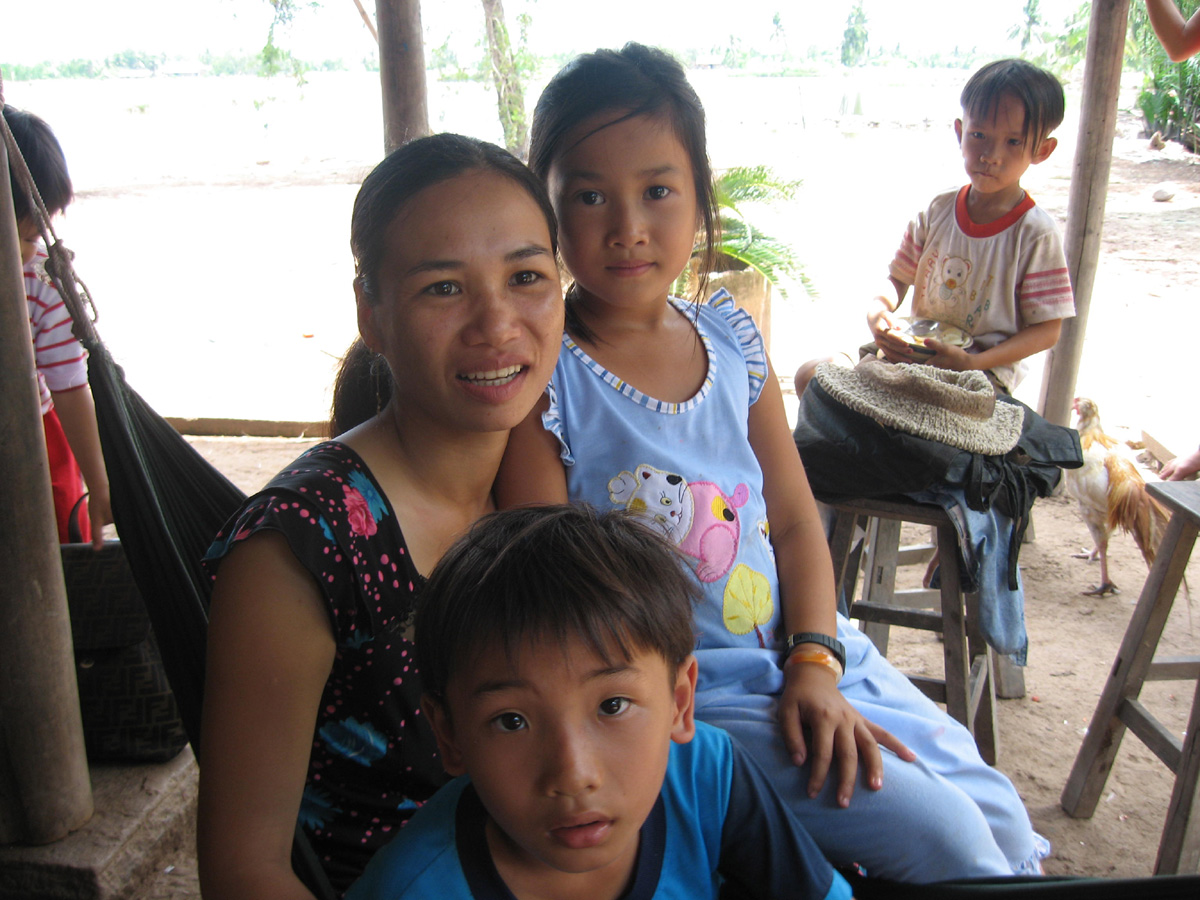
column 985, row 258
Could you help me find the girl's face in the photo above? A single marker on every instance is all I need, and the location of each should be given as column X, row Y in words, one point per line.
column 469, row 310
column 626, row 202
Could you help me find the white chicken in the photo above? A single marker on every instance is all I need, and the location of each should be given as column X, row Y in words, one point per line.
column 1111, row 494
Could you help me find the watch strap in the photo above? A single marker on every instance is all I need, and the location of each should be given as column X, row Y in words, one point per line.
column 815, row 637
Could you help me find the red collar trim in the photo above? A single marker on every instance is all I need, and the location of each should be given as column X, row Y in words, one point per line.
column 991, row 229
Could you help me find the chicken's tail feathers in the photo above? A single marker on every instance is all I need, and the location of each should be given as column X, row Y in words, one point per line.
column 1132, row 509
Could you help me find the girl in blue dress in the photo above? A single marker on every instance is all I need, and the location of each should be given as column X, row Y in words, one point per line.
column 672, row 408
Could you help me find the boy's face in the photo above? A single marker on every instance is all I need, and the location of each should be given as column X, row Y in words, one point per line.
column 567, row 753
column 27, row 231
column 994, row 147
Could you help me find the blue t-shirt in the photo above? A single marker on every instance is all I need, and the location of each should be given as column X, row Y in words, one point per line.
column 716, row 818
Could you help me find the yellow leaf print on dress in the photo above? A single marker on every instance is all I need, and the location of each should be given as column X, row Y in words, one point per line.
column 748, row 602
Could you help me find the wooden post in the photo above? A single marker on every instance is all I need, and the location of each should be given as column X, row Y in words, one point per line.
column 401, row 71
column 45, row 792
column 1085, row 204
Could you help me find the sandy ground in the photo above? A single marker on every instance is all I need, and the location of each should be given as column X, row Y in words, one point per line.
column 220, row 267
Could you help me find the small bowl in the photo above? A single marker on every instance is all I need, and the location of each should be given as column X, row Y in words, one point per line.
column 914, row 331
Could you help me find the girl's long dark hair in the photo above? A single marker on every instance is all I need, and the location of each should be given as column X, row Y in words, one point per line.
column 633, row 81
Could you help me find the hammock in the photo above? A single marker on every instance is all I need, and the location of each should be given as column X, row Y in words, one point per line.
column 168, row 503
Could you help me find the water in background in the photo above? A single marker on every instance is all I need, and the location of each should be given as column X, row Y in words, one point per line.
column 212, row 218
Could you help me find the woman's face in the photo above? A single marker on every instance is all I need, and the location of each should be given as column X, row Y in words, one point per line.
column 469, row 311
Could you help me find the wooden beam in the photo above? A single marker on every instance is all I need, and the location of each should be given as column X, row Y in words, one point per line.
column 401, row 71
column 45, row 791
column 1085, row 204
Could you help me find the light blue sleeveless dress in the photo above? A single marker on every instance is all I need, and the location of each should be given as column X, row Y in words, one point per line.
column 690, row 469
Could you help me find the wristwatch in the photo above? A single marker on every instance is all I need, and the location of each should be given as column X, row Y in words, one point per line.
column 814, row 637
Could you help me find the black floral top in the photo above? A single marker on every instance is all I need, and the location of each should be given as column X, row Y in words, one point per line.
column 374, row 758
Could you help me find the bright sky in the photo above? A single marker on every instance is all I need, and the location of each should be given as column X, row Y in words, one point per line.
column 59, row 30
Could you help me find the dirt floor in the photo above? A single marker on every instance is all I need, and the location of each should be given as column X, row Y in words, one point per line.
column 864, row 175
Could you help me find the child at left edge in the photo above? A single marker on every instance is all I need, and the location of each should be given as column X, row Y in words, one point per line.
column 556, row 647
column 77, row 473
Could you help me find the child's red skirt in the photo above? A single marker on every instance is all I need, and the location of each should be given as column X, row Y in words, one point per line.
column 67, row 481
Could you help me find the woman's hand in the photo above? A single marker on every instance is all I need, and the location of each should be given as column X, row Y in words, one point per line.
column 837, row 730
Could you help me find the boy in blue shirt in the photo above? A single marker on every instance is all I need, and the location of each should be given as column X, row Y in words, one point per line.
column 555, row 645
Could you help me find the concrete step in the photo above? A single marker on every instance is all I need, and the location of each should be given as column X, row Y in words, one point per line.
column 143, row 824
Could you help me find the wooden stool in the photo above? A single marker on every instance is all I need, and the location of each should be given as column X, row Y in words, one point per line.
column 1119, row 708
column 968, row 688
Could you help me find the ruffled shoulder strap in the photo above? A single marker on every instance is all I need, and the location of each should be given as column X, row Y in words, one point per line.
column 553, row 423
column 749, row 339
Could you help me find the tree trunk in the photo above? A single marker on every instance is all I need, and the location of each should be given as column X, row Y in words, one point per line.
column 401, row 72
column 509, row 97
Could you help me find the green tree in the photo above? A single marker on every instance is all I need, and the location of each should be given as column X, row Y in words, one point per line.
column 78, row 68
column 506, row 76
column 132, row 59
column 507, row 65
column 742, row 243
column 1170, row 99
column 778, row 34
column 854, row 38
column 275, row 59
column 1025, row 29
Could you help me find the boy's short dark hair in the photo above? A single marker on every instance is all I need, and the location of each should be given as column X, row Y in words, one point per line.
column 47, row 164
column 555, row 573
column 1038, row 90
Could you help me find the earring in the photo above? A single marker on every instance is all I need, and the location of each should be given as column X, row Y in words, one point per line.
column 379, row 371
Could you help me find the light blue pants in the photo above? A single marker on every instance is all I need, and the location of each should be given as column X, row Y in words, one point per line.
column 947, row 815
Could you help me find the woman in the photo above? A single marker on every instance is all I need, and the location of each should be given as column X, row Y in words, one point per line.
column 311, row 702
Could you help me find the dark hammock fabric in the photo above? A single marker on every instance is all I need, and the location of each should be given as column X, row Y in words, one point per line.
column 168, row 503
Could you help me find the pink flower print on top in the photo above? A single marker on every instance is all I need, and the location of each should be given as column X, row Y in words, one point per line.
column 358, row 512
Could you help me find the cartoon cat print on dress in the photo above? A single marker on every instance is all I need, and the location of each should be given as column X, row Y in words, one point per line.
column 698, row 516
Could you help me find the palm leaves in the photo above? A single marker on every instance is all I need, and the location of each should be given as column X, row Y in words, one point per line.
column 742, row 243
